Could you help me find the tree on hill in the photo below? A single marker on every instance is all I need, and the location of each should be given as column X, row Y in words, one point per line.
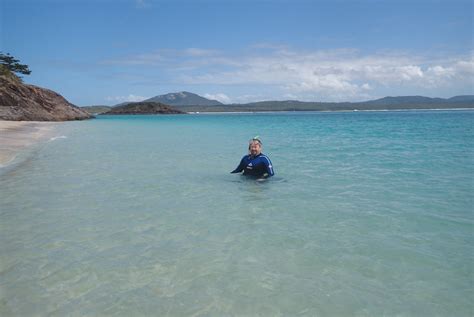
column 13, row 65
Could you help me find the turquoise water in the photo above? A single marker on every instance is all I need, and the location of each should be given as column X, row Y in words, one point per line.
column 369, row 214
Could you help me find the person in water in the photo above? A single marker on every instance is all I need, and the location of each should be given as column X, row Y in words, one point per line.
column 255, row 163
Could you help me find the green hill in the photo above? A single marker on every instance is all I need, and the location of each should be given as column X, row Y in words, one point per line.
column 144, row 108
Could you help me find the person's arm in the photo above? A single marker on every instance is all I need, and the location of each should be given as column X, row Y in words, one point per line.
column 241, row 166
column 269, row 167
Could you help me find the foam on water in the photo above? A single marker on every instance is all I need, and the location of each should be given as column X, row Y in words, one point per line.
column 369, row 214
column 58, row 137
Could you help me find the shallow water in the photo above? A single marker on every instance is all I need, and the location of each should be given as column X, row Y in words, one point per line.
column 369, row 214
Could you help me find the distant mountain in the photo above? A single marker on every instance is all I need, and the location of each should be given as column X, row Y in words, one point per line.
column 184, row 98
column 144, row 108
column 416, row 100
column 403, row 100
column 465, row 98
column 189, row 102
column 386, row 103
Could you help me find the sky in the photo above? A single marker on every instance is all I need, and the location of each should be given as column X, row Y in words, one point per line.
column 105, row 52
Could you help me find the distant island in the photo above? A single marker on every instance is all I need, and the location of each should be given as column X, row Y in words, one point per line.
column 22, row 102
column 189, row 102
column 184, row 98
column 145, row 107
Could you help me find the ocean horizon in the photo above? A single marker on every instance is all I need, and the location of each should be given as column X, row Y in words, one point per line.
column 369, row 214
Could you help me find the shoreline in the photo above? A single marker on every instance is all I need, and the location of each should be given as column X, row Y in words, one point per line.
column 326, row 111
column 16, row 136
column 299, row 111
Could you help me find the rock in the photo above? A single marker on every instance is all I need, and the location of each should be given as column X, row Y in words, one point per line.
column 144, row 108
column 21, row 102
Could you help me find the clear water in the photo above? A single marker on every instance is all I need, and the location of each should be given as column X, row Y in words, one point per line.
column 369, row 214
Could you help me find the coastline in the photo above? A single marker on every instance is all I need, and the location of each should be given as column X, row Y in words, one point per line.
column 325, row 111
column 16, row 136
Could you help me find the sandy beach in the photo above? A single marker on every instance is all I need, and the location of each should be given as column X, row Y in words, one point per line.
column 18, row 135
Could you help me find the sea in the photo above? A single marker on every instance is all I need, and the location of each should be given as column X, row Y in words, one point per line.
column 368, row 214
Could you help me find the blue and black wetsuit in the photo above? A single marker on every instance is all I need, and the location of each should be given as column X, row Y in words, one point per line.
column 258, row 166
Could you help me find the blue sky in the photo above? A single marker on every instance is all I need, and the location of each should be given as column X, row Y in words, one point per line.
column 107, row 52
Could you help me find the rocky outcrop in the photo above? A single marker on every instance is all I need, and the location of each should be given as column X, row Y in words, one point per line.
column 21, row 102
column 144, row 108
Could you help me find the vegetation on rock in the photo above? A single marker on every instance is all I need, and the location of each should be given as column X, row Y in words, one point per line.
column 144, row 108
column 9, row 64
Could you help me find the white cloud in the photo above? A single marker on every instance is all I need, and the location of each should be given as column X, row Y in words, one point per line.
column 129, row 98
column 197, row 52
column 219, row 97
column 339, row 73
column 141, row 4
column 147, row 59
column 290, row 96
column 465, row 67
column 329, row 74
column 441, row 71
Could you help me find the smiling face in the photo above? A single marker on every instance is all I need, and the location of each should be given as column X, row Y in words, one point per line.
column 255, row 148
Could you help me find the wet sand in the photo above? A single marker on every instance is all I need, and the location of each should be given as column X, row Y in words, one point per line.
column 15, row 136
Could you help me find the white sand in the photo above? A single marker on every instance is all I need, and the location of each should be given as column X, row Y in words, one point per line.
column 17, row 135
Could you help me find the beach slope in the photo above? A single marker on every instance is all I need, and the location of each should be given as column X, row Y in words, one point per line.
column 16, row 136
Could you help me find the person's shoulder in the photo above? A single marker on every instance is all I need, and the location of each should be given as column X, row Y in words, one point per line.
column 265, row 159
